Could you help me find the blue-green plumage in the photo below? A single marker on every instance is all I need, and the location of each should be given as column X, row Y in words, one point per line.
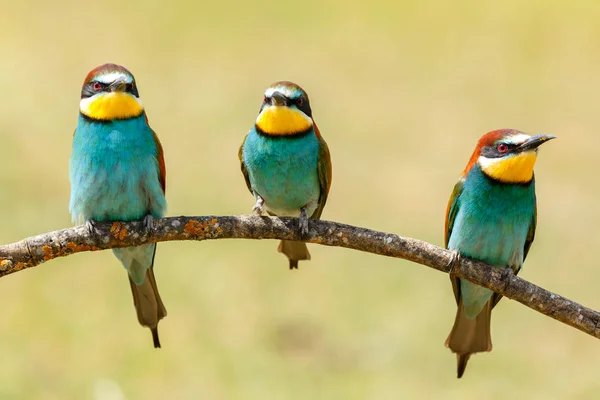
column 114, row 177
column 286, row 162
column 491, row 217
column 283, row 171
column 114, row 171
column 117, row 173
column 491, row 224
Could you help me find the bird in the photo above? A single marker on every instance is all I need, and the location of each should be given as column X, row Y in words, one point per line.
column 491, row 217
column 117, row 173
column 286, row 162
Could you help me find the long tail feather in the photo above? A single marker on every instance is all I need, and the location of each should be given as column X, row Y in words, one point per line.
column 469, row 336
column 294, row 251
column 148, row 304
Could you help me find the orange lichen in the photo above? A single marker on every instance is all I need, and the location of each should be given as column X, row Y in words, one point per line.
column 48, row 254
column 4, row 263
column 19, row 266
column 118, row 230
column 75, row 248
column 195, row 227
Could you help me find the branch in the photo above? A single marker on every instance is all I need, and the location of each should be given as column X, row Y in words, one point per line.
column 35, row 250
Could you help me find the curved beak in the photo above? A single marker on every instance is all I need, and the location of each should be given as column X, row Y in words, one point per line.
column 119, row 86
column 278, row 99
column 534, row 142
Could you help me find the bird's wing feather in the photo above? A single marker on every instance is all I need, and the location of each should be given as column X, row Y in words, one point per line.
column 451, row 212
column 530, row 233
column 162, row 170
column 243, row 166
column 325, row 173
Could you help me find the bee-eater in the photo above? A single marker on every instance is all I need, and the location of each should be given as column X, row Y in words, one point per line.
column 491, row 217
column 117, row 173
column 286, row 162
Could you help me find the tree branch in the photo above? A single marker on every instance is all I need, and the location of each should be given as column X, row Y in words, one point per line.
column 35, row 250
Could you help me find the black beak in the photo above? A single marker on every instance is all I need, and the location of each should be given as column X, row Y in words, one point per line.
column 534, row 142
column 119, row 86
column 278, row 99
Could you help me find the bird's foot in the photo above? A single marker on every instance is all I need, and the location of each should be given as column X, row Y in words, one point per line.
column 149, row 222
column 454, row 261
column 258, row 207
column 507, row 274
column 303, row 225
column 90, row 224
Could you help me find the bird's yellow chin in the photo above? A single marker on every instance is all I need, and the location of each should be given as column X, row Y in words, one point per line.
column 281, row 120
column 109, row 106
column 513, row 169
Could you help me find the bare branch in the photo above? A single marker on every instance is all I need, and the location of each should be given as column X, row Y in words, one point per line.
column 35, row 250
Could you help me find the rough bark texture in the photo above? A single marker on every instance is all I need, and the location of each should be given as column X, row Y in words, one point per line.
column 36, row 250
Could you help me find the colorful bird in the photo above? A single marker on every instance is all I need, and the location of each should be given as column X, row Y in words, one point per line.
column 286, row 162
column 491, row 217
column 117, row 173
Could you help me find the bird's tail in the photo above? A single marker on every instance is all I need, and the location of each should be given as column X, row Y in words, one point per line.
column 148, row 304
column 470, row 336
column 294, row 251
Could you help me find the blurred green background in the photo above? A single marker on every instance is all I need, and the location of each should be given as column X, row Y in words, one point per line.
column 401, row 92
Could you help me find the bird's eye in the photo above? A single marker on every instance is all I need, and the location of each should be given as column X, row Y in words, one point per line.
column 300, row 101
column 97, row 86
column 265, row 99
column 502, row 148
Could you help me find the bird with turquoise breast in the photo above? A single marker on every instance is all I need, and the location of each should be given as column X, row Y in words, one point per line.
column 117, row 173
column 491, row 217
column 286, row 162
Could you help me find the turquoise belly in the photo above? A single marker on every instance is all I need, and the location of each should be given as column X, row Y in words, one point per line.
column 114, row 171
column 283, row 171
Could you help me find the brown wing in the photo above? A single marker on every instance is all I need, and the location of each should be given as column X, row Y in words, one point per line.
column 451, row 212
column 325, row 173
column 243, row 166
column 162, row 171
column 531, row 233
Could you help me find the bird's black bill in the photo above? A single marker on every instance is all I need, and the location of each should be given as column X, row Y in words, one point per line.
column 278, row 99
column 121, row 86
column 534, row 142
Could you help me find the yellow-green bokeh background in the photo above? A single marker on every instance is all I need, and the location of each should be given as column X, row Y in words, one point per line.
column 401, row 91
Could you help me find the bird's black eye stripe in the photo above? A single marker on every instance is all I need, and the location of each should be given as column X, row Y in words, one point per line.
column 90, row 89
column 493, row 152
column 302, row 103
column 131, row 88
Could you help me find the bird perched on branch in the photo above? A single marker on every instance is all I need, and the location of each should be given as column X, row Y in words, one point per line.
column 491, row 217
column 286, row 162
column 117, row 173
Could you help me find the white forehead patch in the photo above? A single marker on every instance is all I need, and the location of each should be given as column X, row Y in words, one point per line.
column 113, row 76
column 281, row 89
column 517, row 139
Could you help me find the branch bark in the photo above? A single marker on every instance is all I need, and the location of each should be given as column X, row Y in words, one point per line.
column 36, row 250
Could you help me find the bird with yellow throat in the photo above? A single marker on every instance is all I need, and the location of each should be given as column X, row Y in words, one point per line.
column 286, row 162
column 117, row 173
column 491, row 217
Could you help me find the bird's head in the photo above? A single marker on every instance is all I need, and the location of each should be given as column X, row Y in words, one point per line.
column 285, row 111
column 109, row 92
column 507, row 155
